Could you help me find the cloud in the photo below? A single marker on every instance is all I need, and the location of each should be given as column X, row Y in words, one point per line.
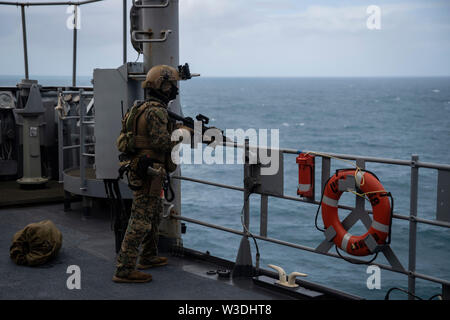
column 316, row 39
column 246, row 38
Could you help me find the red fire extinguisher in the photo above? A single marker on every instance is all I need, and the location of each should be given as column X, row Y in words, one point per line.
column 306, row 175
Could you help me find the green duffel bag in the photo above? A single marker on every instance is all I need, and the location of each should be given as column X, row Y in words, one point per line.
column 36, row 244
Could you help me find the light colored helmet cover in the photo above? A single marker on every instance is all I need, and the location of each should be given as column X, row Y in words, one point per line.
column 158, row 75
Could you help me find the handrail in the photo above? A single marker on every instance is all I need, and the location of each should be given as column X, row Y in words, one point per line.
column 164, row 33
column 408, row 163
column 82, row 146
column 395, row 215
column 154, row 6
column 414, row 164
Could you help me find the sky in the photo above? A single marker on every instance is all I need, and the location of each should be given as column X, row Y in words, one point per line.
column 251, row 38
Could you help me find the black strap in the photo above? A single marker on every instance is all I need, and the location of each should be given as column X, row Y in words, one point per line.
column 119, row 217
column 119, row 212
column 167, row 186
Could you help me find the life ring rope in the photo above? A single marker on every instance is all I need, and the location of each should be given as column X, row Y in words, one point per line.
column 363, row 195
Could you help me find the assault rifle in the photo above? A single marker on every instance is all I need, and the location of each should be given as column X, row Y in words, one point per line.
column 190, row 123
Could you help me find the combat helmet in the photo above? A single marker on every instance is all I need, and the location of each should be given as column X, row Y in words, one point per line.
column 161, row 77
column 161, row 80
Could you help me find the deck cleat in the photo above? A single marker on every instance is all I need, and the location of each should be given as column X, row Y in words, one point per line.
column 290, row 283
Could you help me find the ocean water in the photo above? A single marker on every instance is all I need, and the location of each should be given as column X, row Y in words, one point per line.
column 379, row 117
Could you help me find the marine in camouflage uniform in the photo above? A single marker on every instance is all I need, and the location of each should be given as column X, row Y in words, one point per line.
column 152, row 142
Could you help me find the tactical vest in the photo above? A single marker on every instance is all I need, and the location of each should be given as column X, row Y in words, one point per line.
column 133, row 139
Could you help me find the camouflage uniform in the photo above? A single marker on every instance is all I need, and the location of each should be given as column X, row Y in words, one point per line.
column 147, row 203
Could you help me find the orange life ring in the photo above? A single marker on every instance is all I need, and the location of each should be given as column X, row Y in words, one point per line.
column 381, row 207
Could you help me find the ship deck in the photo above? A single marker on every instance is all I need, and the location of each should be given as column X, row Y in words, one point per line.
column 12, row 194
column 89, row 244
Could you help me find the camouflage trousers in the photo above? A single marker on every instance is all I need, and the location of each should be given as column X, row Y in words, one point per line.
column 142, row 227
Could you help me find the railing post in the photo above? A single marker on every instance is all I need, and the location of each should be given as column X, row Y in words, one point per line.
column 326, row 167
column 263, row 217
column 247, row 175
column 244, row 265
column 74, row 62
column 24, row 35
column 60, row 140
column 413, row 226
column 86, row 201
column 82, row 138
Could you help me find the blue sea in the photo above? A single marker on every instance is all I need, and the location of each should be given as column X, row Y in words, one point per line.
column 377, row 117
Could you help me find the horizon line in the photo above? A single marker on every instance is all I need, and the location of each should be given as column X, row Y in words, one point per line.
column 262, row 77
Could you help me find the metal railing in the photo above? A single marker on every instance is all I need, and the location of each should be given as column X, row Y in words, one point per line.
column 412, row 216
column 395, row 265
column 82, row 138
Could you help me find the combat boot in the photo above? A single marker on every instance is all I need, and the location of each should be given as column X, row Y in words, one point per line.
column 133, row 277
column 152, row 262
